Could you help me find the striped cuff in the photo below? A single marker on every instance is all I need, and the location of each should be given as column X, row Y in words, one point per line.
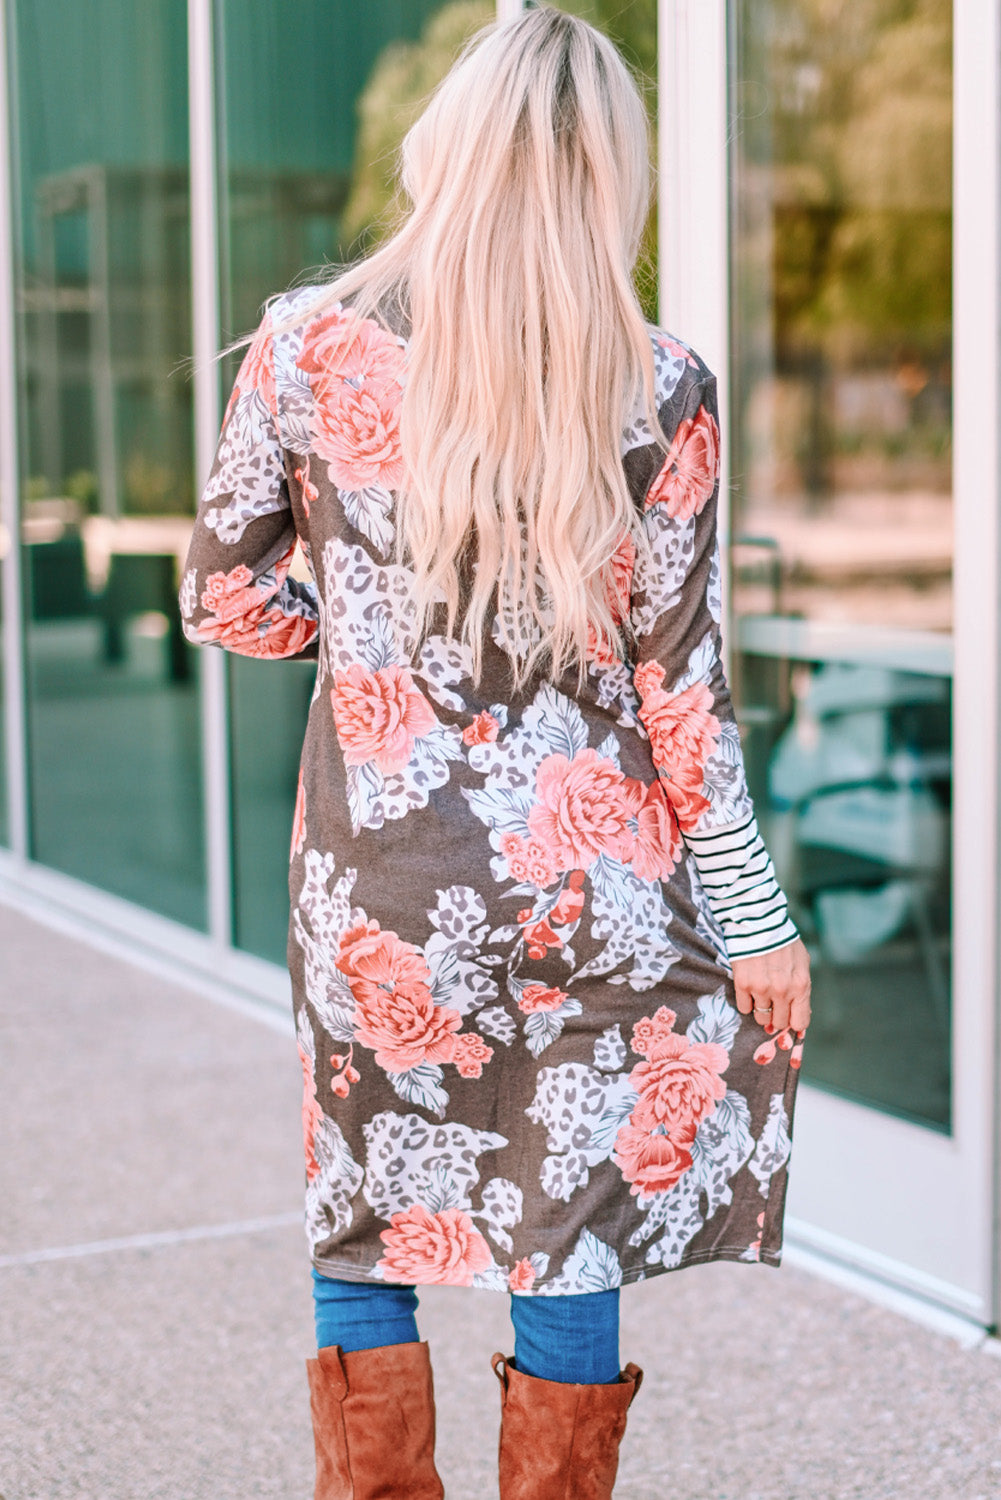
column 738, row 877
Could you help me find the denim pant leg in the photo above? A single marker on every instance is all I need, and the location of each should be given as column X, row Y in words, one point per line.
column 363, row 1314
column 571, row 1339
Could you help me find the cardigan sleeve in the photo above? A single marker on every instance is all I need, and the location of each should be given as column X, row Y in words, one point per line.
column 235, row 589
column 684, row 699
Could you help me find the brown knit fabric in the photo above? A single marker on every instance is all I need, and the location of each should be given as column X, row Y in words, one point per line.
column 523, row 1064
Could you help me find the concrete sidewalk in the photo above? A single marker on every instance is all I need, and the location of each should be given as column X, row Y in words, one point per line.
column 156, row 1137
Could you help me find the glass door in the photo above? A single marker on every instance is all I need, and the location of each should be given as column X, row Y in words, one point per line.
column 102, row 290
column 842, row 643
column 841, row 530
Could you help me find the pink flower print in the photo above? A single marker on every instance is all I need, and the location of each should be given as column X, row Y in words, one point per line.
column 539, row 936
column 620, row 583
column 517, row 863
column 536, row 997
column 691, row 468
column 368, row 956
column 379, row 715
column 395, row 1013
column 652, row 1032
column 241, row 619
column 528, row 862
column 521, row 1276
column 650, row 1161
column 678, row 350
column 482, row 731
column 256, row 373
column 338, row 347
column 309, row 490
column 784, row 1042
column 356, row 372
column 423, row 1248
column 601, row 651
column 570, row 901
column 312, row 1114
column 539, row 865
column 581, row 811
column 230, row 595
column 679, row 1085
column 357, row 433
column 299, row 819
column 344, row 1073
column 286, row 635
column 658, row 837
column 470, row 1053
column 683, row 731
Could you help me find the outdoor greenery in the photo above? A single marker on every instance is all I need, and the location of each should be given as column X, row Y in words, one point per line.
column 407, row 72
column 846, row 106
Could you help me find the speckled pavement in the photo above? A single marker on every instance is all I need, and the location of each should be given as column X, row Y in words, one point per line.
column 156, row 1136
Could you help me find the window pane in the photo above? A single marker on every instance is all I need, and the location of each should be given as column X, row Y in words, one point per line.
column 103, row 304
column 307, row 175
column 842, row 513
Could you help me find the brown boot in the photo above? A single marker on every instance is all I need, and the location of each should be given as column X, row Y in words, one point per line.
column 560, row 1442
column 373, row 1423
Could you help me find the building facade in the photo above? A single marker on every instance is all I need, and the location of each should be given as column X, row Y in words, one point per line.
column 825, row 233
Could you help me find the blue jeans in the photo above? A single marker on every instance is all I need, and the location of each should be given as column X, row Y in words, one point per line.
column 571, row 1339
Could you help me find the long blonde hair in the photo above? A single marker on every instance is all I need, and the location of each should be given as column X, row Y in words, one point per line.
column 528, row 177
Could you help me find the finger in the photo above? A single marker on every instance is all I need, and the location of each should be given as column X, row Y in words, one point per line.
column 744, row 999
column 780, row 1013
column 762, row 1012
column 800, row 1012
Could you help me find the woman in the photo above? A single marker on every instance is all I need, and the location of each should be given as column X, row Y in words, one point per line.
column 550, row 1004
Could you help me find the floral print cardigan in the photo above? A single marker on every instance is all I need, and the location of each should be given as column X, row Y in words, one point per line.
column 512, row 915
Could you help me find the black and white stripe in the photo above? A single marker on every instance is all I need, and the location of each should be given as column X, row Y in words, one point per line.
column 738, row 877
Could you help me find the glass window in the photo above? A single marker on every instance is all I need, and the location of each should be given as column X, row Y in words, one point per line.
column 103, row 307
column 307, row 173
column 842, row 513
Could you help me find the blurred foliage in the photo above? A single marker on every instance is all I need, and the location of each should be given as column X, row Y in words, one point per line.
column 150, row 487
column 403, row 78
column 82, row 487
column 844, row 120
column 36, row 487
column 407, row 72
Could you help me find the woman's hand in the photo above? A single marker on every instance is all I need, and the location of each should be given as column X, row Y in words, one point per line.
column 775, row 987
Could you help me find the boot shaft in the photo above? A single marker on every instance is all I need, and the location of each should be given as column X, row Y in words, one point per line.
column 560, row 1442
column 374, row 1424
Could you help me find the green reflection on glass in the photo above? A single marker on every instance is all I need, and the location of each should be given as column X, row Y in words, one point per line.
column 103, row 306
column 841, row 476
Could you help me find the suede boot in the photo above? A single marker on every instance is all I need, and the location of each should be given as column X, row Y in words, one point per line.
column 560, row 1442
column 374, row 1423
